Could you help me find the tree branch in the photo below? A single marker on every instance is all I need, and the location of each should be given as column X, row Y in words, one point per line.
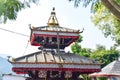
column 113, row 7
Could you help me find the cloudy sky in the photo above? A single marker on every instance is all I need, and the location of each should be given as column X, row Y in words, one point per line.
column 68, row 16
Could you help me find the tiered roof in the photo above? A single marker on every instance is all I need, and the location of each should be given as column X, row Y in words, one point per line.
column 53, row 34
column 50, row 60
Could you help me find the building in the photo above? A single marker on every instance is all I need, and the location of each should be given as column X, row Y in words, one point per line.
column 52, row 62
column 111, row 71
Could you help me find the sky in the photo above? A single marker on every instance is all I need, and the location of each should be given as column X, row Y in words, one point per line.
column 68, row 16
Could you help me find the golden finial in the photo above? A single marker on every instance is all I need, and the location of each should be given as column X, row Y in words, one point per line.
column 53, row 8
column 53, row 11
column 52, row 19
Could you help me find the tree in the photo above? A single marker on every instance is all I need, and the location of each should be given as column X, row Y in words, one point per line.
column 104, row 56
column 112, row 5
column 77, row 49
column 103, row 17
column 10, row 8
column 106, row 22
column 100, row 54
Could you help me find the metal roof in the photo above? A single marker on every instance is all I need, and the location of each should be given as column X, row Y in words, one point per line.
column 55, row 28
column 50, row 60
column 52, row 56
column 112, row 69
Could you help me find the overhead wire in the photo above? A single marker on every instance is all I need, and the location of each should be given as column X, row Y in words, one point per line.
column 17, row 34
column 26, row 47
column 14, row 32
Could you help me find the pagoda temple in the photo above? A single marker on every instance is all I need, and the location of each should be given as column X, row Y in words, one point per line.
column 51, row 62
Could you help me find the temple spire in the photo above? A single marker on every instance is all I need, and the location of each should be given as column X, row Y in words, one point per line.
column 52, row 21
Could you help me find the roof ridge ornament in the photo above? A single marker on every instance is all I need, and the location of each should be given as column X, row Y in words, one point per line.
column 52, row 21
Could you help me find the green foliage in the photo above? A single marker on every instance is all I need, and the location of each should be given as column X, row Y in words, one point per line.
column 106, row 22
column 93, row 3
column 117, row 1
column 77, row 49
column 100, row 54
column 80, row 39
column 10, row 8
column 103, row 18
column 84, row 2
column 102, row 78
column 104, row 56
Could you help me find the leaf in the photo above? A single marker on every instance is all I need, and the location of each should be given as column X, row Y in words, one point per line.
column 10, row 8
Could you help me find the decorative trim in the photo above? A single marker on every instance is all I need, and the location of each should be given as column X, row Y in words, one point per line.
column 21, row 70
column 56, row 63
column 57, row 29
column 72, row 66
column 54, row 33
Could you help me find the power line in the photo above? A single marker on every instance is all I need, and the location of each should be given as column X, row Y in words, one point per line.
column 26, row 48
column 17, row 34
column 14, row 32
